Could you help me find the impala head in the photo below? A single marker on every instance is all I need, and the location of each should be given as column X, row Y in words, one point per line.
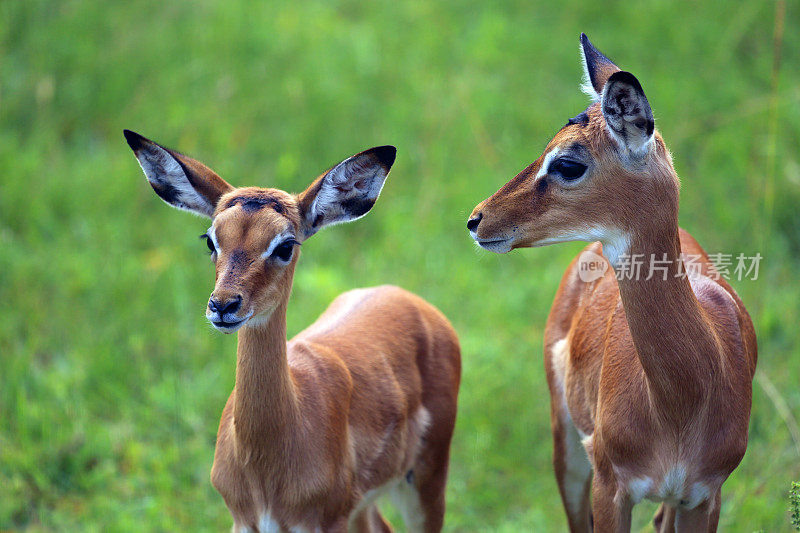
column 255, row 232
column 596, row 177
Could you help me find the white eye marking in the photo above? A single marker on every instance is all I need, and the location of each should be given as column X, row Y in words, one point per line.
column 547, row 160
column 212, row 234
column 169, row 179
column 277, row 241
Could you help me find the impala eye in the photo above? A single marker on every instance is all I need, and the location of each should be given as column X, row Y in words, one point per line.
column 569, row 170
column 209, row 243
column 283, row 251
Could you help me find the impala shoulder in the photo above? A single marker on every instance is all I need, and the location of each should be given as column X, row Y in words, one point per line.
column 314, row 361
column 720, row 308
column 394, row 298
column 713, row 297
column 363, row 294
column 389, row 291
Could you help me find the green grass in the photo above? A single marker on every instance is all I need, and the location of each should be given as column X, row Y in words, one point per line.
column 112, row 382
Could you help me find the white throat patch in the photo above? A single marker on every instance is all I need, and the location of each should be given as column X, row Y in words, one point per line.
column 615, row 245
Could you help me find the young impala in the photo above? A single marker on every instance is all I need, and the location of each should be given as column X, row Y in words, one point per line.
column 361, row 402
column 650, row 376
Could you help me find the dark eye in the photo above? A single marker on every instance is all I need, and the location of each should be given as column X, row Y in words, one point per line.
column 209, row 243
column 283, row 251
column 569, row 170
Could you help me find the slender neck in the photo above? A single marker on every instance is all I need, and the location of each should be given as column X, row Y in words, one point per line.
column 265, row 400
column 673, row 339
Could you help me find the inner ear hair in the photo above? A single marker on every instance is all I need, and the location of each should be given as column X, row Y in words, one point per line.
column 627, row 111
column 177, row 179
column 347, row 191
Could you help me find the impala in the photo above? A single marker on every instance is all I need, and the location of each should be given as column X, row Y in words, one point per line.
column 650, row 376
column 360, row 403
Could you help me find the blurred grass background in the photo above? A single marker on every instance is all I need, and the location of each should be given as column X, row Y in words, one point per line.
column 112, row 382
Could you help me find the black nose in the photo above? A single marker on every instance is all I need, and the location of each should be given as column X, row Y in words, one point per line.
column 472, row 224
column 228, row 306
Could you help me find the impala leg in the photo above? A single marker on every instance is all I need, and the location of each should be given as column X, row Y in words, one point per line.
column 377, row 522
column 611, row 513
column 713, row 518
column 369, row 521
column 704, row 517
column 420, row 497
column 664, row 519
column 419, row 513
column 573, row 472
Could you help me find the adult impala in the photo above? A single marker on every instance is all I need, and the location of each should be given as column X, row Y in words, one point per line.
column 649, row 378
column 361, row 402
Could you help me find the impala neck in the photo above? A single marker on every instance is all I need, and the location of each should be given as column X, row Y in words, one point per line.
column 266, row 404
column 673, row 339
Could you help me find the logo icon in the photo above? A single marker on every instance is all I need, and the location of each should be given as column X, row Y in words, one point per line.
column 591, row 266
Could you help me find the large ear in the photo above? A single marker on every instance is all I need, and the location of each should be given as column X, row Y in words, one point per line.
column 627, row 112
column 179, row 180
column 597, row 68
column 347, row 191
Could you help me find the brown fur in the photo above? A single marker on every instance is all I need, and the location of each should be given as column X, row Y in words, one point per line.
column 364, row 397
column 658, row 374
column 313, row 425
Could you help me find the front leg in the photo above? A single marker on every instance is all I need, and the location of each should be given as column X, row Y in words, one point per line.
column 369, row 520
column 611, row 508
column 704, row 517
column 713, row 518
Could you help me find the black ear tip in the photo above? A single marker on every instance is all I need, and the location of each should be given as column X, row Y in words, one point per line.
column 135, row 141
column 586, row 43
column 385, row 154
